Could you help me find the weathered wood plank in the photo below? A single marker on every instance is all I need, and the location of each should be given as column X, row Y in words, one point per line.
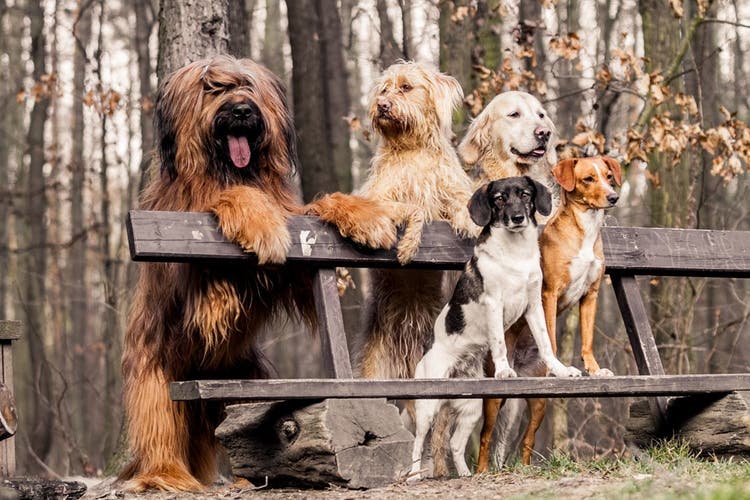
column 10, row 330
column 646, row 354
column 334, row 346
column 185, row 236
column 522, row 387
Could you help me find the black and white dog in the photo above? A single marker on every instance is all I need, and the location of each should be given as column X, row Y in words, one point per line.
column 501, row 283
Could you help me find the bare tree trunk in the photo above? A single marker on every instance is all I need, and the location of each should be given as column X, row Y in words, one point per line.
column 390, row 52
column 144, row 24
column 337, row 93
column 569, row 108
column 272, row 54
column 672, row 202
column 6, row 107
column 239, row 34
column 77, row 275
column 532, row 29
column 188, row 32
column 35, row 258
column 456, row 42
column 321, row 96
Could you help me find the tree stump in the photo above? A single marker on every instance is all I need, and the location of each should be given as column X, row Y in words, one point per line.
column 351, row 443
column 8, row 419
column 714, row 424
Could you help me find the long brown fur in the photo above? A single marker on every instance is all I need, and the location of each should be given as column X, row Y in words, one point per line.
column 203, row 320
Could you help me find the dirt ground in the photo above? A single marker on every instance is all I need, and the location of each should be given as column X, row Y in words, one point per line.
column 669, row 474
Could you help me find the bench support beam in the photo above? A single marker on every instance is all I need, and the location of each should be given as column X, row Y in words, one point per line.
column 646, row 354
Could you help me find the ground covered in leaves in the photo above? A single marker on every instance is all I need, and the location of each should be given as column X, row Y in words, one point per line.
column 668, row 471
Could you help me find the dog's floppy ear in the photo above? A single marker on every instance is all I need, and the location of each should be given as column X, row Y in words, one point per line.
column 476, row 140
column 166, row 135
column 479, row 206
column 614, row 167
column 542, row 197
column 564, row 173
column 449, row 96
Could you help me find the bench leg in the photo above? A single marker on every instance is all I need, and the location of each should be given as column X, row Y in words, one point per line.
column 641, row 337
column 331, row 325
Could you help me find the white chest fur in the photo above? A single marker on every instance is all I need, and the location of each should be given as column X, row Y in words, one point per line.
column 586, row 266
column 509, row 264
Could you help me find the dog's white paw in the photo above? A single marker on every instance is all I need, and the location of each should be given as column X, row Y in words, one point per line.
column 560, row 370
column 414, row 477
column 505, row 373
column 603, row 372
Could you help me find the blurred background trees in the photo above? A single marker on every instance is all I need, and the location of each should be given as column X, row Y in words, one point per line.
column 660, row 85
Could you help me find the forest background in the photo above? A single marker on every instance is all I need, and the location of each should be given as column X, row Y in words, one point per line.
column 660, row 85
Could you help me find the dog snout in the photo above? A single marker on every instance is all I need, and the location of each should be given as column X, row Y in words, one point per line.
column 542, row 133
column 242, row 111
column 517, row 218
column 384, row 106
column 612, row 198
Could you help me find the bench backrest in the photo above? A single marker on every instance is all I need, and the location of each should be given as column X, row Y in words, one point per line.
column 193, row 236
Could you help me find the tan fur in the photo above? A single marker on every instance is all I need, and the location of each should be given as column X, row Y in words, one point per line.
column 414, row 165
column 202, row 320
column 487, row 148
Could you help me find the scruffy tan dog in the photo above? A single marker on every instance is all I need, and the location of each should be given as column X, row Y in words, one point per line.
column 415, row 164
column 512, row 136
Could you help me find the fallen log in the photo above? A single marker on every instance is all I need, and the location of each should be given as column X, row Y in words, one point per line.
column 351, row 443
column 714, row 424
column 33, row 488
column 8, row 419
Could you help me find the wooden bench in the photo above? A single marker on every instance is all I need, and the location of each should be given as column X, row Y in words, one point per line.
column 629, row 252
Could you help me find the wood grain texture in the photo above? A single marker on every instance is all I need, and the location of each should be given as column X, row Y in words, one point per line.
column 522, row 387
column 186, row 236
column 334, row 346
column 10, row 330
column 646, row 354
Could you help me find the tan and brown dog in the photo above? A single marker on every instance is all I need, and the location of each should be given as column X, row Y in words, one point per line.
column 572, row 268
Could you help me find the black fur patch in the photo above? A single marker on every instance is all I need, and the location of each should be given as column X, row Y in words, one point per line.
column 468, row 289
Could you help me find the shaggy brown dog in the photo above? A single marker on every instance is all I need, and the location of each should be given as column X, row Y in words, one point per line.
column 415, row 163
column 226, row 145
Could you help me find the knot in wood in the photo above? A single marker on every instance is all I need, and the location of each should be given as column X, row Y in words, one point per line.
column 289, row 429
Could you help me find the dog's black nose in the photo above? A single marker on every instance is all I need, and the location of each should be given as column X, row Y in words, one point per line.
column 384, row 106
column 517, row 219
column 612, row 198
column 242, row 111
column 542, row 133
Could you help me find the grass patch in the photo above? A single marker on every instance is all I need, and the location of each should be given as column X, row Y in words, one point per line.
column 669, row 471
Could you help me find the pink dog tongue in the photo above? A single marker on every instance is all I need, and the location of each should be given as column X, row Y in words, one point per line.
column 239, row 150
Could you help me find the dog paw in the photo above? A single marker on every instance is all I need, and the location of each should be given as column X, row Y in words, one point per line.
column 414, row 476
column 505, row 373
column 366, row 222
column 254, row 224
column 378, row 231
column 602, row 372
column 560, row 370
column 406, row 250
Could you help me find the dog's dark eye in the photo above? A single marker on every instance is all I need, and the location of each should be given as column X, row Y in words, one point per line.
column 541, row 115
column 588, row 179
column 514, row 114
column 525, row 196
column 609, row 177
column 406, row 87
